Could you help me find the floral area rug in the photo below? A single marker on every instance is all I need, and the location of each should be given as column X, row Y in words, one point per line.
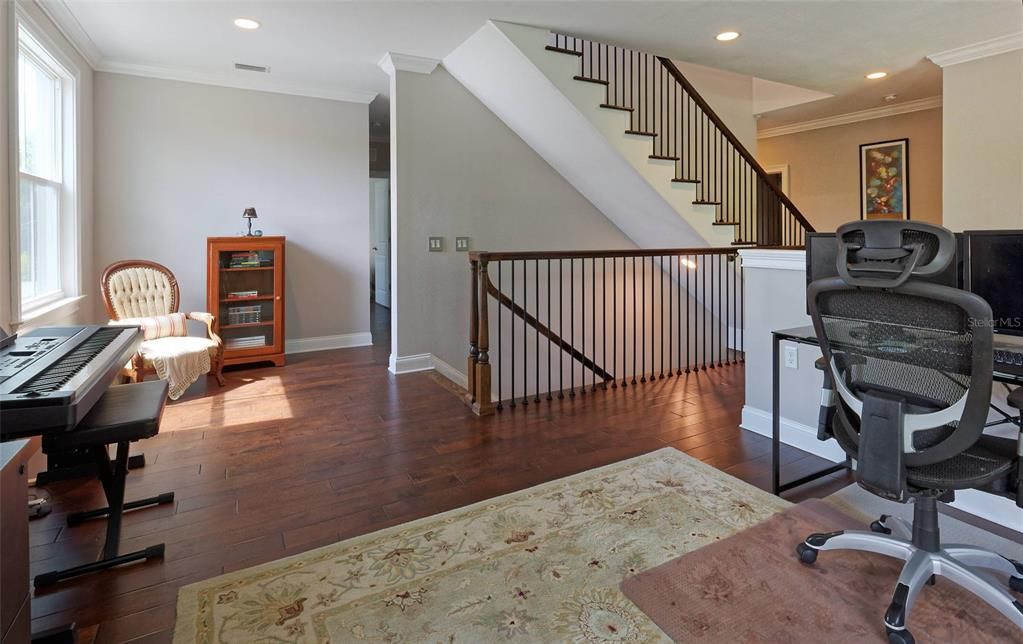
column 540, row 565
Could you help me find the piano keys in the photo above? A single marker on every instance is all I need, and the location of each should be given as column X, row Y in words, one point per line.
column 51, row 377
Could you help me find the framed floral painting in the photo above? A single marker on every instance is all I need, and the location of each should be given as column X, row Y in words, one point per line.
column 884, row 180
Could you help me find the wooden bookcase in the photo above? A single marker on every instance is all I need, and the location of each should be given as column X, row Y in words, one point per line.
column 251, row 325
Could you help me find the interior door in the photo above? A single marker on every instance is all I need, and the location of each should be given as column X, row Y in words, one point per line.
column 379, row 200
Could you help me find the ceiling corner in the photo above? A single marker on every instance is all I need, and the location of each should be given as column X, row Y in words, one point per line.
column 64, row 19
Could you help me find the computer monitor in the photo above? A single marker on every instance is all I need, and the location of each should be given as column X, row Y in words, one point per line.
column 993, row 266
column 822, row 258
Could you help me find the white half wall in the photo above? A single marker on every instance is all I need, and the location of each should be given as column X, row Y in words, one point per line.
column 178, row 162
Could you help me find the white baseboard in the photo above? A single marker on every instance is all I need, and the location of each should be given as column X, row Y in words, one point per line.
column 449, row 372
column 324, row 342
column 426, row 362
column 410, row 364
column 795, row 434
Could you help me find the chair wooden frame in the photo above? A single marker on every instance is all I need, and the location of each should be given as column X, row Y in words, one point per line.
column 138, row 370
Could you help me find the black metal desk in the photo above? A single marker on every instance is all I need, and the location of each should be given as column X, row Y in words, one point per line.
column 807, row 335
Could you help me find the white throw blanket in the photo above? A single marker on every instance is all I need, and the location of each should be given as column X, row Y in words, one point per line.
column 178, row 360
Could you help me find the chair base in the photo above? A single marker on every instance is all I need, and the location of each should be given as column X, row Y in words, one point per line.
column 966, row 566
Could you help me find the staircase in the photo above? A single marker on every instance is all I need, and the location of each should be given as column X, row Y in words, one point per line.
column 630, row 132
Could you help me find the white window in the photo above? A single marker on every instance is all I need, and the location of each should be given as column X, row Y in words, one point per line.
column 47, row 249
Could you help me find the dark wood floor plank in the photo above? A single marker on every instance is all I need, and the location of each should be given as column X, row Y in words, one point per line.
column 331, row 446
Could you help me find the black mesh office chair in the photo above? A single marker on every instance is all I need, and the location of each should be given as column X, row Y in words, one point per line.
column 910, row 363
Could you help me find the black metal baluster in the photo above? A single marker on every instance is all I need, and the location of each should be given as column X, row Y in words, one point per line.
column 593, row 323
column 511, row 328
column 582, row 323
column 635, row 356
column 660, row 317
column 689, row 297
column 571, row 325
column 614, row 322
column 703, row 273
column 642, row 348
column 671, row 311
column 678, row 288
column 603, row 321
column 561, row 329
column 500, row 356
column 525, row 334
column 536, row 297
column 550, row 332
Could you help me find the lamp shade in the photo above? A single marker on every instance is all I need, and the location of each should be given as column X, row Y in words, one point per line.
column 250, row 213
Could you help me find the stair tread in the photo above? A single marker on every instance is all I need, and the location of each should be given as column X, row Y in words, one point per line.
column 704, row 202
column 616, row 107
column 562, row 50
column 587, row 79
column 726, row 223
column 638, row 133
column 676, row 180
column 663, row 157
column 743, row 243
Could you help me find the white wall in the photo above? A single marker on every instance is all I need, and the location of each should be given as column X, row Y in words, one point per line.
column 178, row 162
column 730, row 95
column 983, row 143
column 457, row 170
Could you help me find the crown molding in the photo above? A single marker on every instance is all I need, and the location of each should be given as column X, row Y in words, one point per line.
column 67, row 24
column 65, row 21
column 983, row 49
column 852, row 117
column 392, row 62
column 234, row 81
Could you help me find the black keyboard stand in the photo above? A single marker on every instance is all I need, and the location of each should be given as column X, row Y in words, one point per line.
column 125, row 414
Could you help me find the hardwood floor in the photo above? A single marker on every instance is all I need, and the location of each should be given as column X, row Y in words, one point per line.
column 331, row 446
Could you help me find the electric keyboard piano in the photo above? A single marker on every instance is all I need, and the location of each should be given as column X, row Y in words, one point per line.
column 51, row 377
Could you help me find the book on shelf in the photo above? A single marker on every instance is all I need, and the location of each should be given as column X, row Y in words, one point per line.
column 246, row 342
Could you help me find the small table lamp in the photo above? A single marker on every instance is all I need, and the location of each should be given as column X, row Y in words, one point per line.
column 249, row 215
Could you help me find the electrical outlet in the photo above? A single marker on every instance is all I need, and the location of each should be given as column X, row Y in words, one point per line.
column 792, row 357
column 461, row 244
column 436, row 244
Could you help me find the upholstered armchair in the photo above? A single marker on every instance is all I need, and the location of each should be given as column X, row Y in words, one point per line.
column 134, row 290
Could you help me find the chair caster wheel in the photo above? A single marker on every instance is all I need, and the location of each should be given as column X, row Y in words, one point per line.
column 1016, row 583
column 879, row 527
column 899, row 637
column 806, row 554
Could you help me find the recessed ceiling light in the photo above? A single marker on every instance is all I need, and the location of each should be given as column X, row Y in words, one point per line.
column 246, row 23
column 725, row 36
column 876, row 75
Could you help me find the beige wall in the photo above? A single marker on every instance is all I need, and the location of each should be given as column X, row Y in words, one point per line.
column 730, row 95
column 983, row 155
column 824, row 166
column 458, row 170
column 177, row 162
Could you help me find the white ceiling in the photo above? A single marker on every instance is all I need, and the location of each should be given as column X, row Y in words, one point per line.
column 332, row 48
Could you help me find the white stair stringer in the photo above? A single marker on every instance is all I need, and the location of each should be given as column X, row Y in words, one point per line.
column 533, row 91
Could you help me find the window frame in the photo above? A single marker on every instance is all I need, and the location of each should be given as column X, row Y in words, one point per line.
column 46, row 53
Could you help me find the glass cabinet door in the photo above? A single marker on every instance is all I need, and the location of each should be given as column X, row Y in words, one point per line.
column 248, row 297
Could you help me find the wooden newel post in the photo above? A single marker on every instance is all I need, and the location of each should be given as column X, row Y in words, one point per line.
column 474, row 326
column 483, row 405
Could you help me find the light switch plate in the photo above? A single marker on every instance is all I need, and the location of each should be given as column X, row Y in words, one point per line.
column 792, row 357
column 436, row 244
column 461, row 244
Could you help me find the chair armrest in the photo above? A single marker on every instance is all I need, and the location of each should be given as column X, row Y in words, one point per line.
column 1015, row 398
column 207, row 319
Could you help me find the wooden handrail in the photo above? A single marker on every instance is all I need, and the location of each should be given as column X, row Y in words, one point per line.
column 478, row 255
column 679, row 77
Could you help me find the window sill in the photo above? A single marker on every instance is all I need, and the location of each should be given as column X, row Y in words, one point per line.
column 51, row 313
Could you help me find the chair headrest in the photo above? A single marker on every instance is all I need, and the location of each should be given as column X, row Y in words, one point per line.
column 886, row 253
